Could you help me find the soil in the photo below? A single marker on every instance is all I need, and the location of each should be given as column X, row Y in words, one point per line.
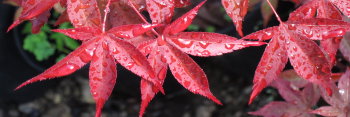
column 230, row 77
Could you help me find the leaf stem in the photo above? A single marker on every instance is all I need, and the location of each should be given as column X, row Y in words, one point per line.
column 274, row 11
column 107, row 10
column 141, row 16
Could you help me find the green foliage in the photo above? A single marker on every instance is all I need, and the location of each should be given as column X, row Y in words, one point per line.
column 46, row 43
column 39, row 46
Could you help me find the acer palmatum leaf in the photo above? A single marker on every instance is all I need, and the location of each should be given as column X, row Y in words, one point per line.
column 306, row 57
column 82, row 13
column 171, row 46
column 322, row 9
column 236, row 9
column 35, row 10
column 340, row 101
column 270, row 66
column 106, row 48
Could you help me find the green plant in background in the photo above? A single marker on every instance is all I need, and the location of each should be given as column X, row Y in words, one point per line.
column 47, row 43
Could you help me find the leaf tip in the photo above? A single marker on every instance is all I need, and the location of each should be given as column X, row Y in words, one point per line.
column 257, row 88
column 99, row 105
column 14, row 24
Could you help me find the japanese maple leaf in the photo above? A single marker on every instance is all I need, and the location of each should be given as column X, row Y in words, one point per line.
column 104, row 49
column 170, row 49
column 298, row 103
column 321, row 9
column 292, row 39
column 236, row 9
column 37, row 11
column 339, row 101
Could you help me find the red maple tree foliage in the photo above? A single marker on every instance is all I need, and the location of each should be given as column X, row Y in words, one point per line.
column 115, row 31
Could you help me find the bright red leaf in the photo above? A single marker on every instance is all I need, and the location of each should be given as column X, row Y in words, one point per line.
column 170, row 48
column 38, row 11
column 103, row 49
column 236, row 9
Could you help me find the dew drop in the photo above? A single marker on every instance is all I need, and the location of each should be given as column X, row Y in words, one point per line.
column 229, row 46
column 162, row 73
column 182, row 43
column 203, row 44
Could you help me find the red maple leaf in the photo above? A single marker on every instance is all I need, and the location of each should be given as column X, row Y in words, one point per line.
column 321, row 9
column 169, row 50
column 292, row 39
column 38, row 11
column 298, row 102
column 339, row 101
column 104, row 49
